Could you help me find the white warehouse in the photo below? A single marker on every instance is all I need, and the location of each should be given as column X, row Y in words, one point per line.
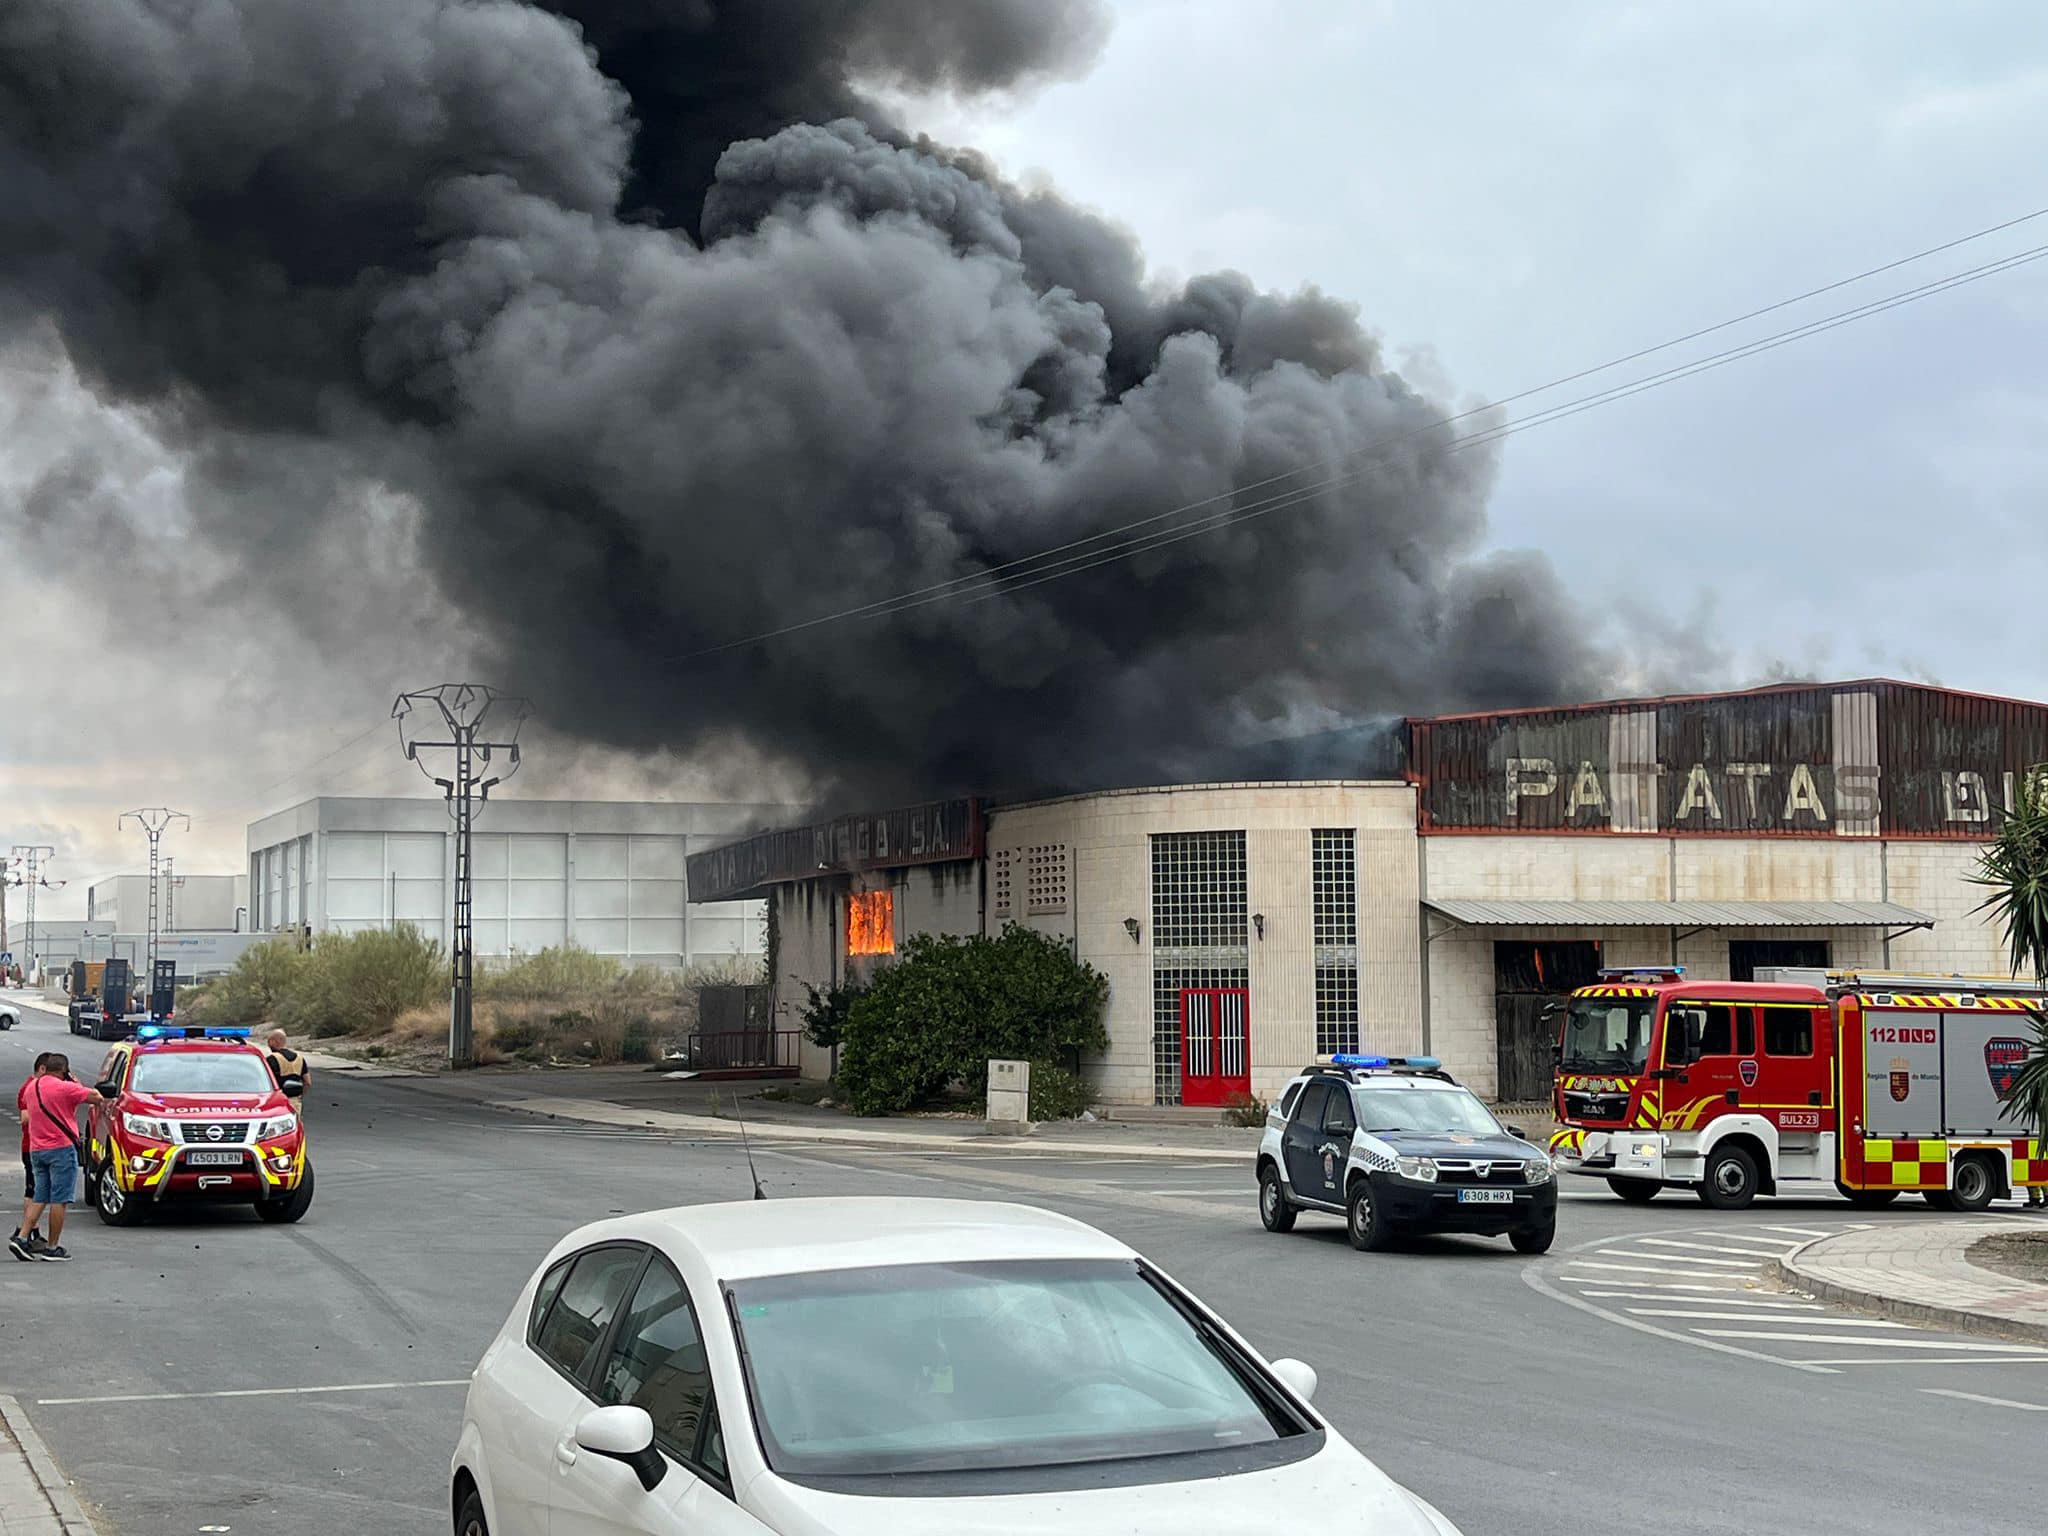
column 606, row 875
column 185, row 903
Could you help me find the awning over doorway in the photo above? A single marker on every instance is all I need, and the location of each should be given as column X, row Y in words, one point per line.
column 1679, row 914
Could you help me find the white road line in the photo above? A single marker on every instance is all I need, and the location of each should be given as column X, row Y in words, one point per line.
column 2035, row 1359
column 1769, row 1308
column 1988, row 1402
column 1536, row 1283
column 177, row 1397
column 1747, row 1317
column 1802, row 1231
column 1660, row 1269
column 1726, row 1285
column 1673, row 1242
column 1825, row 1338
column 1676, row 1258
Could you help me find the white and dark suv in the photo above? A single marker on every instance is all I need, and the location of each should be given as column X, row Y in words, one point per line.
column 1395, row 1145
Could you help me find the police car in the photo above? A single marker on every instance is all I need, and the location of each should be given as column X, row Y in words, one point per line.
column 186, row 1113
column 1394, row 1145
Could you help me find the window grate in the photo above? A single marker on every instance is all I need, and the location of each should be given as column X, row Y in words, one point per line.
column 1333, row 873
column 1167, row 986
column 1002, row 898
column 1198, row 890
column 1336, row 1009
column 1045, row 878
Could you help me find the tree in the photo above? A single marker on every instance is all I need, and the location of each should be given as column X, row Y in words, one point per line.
column 2015, row 869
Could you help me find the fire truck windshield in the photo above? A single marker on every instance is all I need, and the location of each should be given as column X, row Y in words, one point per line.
column 194, row 1073
column 1606, row 1034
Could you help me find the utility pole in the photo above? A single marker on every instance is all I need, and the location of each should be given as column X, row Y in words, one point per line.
column 153, row 820
column 170, row 895
column 478, row 723
column 31, row 857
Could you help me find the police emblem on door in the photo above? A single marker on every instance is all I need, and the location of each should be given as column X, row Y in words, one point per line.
column 1902, row 1079
column 2003, row 1057
column 1330, row 1167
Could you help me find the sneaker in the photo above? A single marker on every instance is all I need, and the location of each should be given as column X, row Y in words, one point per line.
column 36, row 1242
column 18, row 1246
column 50, row 1255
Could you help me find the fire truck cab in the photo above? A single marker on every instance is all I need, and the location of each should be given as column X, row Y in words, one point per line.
column 1879, row 1084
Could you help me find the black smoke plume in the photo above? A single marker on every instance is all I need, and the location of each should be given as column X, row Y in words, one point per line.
column 675, row 337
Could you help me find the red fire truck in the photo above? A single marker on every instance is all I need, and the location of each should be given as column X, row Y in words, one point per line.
column 1879, row 1083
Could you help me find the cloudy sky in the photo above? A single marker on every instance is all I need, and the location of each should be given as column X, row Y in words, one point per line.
column 1509, row 193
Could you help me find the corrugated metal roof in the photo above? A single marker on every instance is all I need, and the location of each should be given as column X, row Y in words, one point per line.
column 1680, row 914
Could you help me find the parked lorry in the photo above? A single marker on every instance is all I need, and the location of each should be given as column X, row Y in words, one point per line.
column 1880, row 1083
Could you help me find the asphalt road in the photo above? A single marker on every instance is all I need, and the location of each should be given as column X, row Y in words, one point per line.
column 209, row 1373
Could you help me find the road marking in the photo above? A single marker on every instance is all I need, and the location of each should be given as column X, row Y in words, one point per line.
column 1824, row 1338
column 1536, row 1283
column 2035, row 1359
column 1678, row 1258
column 1802, row 1231
column 1744, row 1317
column 1712, row 1300
column 1727, row 1284
column 1748, row 1253
column 178, row 1397
column 1657, row 1269
column 1988, row 1402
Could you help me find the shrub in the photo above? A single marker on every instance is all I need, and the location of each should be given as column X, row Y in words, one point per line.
column 949, row 1005
column 561, row 971
column 515, row 1034
column 1244, row 1109
column 359, row 983
column 254, row 991
column 825, row 1013
column 1058, row 1094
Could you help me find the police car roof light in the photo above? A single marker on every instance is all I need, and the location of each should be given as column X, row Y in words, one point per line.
column 227, row 1032
column 1418, row 1063
column 154, row 1031
column 1348, row 1060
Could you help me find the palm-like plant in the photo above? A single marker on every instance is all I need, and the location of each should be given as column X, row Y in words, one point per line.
column 2015, row 869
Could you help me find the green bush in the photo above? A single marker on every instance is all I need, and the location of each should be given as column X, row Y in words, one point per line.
column 949, row 1005
column 1244, row 1109
column 1058, row 1094
column 562, row 971
column 516, row 1034
column 825, row 1013
column 359, row 983
column 255, row 991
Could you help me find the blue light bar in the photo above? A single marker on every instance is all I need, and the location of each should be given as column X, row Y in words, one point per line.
column 1420, row 1063
column 156, row 1031
column 1360, row 1061
column 225, row 1032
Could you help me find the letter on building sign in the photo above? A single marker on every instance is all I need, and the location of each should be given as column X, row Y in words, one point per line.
column 1699, row 791
column 1803, row 795
column 1533, row 776
column 1964, row 797
column 1586, row 790
column 1749, row 773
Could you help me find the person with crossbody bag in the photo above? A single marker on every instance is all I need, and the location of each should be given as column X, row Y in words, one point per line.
column 52, row 1102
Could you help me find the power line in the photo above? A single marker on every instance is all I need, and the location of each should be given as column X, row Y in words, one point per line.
column 1087, row 559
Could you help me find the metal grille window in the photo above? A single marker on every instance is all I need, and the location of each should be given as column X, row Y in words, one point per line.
column 1166, row 990
column 1045, row 878
column 1004, row 857
column 1198, row 891
column 1336, row 1009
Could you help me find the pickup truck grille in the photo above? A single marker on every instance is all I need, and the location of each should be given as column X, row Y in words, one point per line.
column 1481, row 1171
column 200, row 1133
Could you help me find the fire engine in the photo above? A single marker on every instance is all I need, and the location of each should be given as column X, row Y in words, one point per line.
column 1880, row 1083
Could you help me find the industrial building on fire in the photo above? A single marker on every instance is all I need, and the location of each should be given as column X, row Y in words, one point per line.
column 1246, row 927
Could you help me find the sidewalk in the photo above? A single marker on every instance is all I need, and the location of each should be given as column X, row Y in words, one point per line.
column 35, row 1500
column 1920, row 1272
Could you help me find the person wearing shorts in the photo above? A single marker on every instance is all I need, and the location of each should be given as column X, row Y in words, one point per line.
column 51, row 1102
column 28, row 1173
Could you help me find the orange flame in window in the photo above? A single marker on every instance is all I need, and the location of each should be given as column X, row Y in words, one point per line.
column 871, row 923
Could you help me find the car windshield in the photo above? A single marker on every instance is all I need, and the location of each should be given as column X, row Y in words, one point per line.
column 1606, row 1034
column 979, row 1366
column 1431, row 1111
column 196, row 1072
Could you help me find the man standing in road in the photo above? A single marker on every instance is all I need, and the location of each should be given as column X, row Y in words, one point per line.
column 51, row 1106
column 286, row 1062
column 32, row 1237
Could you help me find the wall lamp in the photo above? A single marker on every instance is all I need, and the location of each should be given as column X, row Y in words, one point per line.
column 1131, row 927
column 1259, row 923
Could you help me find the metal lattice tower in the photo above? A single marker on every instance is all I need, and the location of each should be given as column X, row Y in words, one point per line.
column 153, row 820
column 480, row 723
column 30, row 877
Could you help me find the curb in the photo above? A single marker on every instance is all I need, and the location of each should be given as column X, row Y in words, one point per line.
column 1960, row 1319
column 71, row 1517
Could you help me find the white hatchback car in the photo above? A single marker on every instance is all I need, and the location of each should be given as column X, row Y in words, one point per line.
column 894, row 1367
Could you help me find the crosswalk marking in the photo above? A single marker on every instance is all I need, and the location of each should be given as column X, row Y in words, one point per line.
column 1683, row 1258
column 1747, row 1253
column 1823, row 1338
column 1772, row 1305
column 1657, row 1269
column 1720, row 1285
column 1747, row 1317
column 1802, row 1231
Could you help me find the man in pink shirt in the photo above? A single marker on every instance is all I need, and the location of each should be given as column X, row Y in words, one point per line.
column 50, row 1104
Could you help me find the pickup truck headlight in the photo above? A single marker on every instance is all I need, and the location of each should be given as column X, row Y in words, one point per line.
column 148, row 1129
column 280, row 1125
column 1421, row 1169
column 1537, row 1170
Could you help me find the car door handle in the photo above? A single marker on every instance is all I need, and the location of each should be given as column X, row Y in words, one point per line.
column 565, row 1453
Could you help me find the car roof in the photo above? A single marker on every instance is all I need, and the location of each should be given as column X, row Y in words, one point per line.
column 749, row 1238
column 177, row 1043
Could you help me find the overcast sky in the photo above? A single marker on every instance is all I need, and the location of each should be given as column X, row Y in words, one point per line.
column 1509, row 193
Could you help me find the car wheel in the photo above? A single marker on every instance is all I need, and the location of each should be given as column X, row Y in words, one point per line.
column 1534, row 1239
column 117, row 1207
column 1972, row 1184
column 1364, row 1223
column 1730, row 1183
column 1274, row 1209
column 1866, row 1199
column 292, row 1206
column 1635, row 1191
column 469, row 1520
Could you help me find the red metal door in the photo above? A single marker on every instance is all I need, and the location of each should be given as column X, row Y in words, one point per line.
column 1215, row 1044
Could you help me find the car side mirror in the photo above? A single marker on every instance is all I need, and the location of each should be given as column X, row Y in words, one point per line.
column 1518, row 1133
column 625, row 1434
column 107, row 1090
column 1298, row 1376
column 293, row 1088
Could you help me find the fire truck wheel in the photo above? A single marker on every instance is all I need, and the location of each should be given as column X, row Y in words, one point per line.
column 293, row 1205
column 117, row 1207
column 1274, row 1210
column 1635, row 1191
column 1365, row 1222
column 1973, row 1184
column 1730, row 1183
column 1867, row 1199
